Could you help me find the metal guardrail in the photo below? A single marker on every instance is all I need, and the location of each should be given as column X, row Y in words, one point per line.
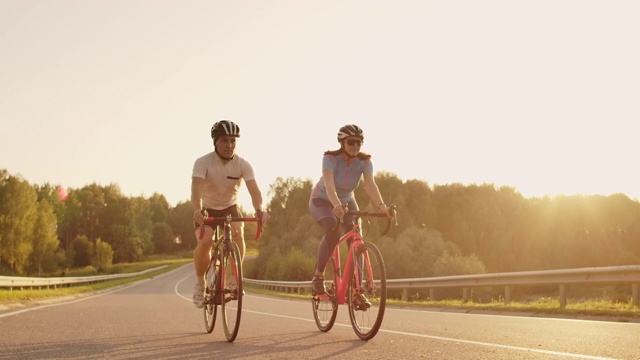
column 598, row 275
column 19, row 283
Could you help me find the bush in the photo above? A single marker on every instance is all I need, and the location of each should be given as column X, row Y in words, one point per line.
column 294, row 266
column 103, row 256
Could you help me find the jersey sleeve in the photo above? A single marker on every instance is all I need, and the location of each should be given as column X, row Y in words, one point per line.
column 247, row 171
column 367, row 167
column 199, row 168
column 328, row 163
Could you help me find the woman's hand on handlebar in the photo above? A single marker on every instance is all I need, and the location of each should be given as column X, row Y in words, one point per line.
column 384, row 209
column 339, row 211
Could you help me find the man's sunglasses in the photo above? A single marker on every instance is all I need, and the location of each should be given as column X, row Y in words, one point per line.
column 353, row 142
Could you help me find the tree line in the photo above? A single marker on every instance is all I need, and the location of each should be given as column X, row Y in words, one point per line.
column 443, row 230
column 459, row 229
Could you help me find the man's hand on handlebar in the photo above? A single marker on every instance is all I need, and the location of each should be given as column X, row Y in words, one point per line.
column 199, row 216
column 261, row 216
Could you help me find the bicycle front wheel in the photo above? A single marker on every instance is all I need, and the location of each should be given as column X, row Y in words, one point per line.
column 210, row 308
column 231, row 276
column 325, row 307
column 367, row 293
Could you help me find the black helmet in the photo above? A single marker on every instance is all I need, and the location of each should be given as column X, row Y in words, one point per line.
column 224, row 127
column 350, row 130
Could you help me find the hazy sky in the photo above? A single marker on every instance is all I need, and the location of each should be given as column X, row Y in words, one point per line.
column 542, row 96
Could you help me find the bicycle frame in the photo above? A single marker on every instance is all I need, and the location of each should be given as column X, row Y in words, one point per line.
column 362, row 285
column 342, row 279
column 225, row 222
column 225, row 257
column 220, row 243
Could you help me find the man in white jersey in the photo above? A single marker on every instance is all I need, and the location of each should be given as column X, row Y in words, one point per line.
column 215, row 182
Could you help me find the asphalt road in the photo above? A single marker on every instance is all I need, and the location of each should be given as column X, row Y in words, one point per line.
column 155, row 319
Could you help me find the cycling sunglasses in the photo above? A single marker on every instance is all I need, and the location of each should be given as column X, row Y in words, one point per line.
column 353, row 142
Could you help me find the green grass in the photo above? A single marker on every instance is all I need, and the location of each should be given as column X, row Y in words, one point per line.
column 617, row 311
column 540, row 306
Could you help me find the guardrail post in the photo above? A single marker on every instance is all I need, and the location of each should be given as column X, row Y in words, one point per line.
column 465, row 294
column 634, row 294
column 432, row 294
column 563, row 296
column 405, row 295
column 507, row 294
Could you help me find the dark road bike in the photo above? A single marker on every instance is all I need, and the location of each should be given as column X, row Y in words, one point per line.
column 362, row 286
column 223, row 278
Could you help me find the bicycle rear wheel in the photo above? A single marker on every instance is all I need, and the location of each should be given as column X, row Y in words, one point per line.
column 367, row 293
column 210, row 308
column 231, row 276
column 325, row 307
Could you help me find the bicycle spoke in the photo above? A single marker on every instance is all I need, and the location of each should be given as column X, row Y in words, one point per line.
column 210, row 308
column 325, row 308
column 231, row 276
column 367, row 293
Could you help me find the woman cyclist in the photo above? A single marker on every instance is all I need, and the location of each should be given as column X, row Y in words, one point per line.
column 342, row 170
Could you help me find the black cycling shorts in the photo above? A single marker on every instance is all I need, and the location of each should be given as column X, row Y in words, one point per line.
column 231, row 210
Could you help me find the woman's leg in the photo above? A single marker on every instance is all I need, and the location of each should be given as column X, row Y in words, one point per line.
column 328, row 243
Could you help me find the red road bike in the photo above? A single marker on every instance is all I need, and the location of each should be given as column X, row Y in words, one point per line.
column 223, row 278
column 362, row 286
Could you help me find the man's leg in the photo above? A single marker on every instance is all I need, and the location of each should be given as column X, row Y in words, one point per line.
column 237, row 234
column 201, row 259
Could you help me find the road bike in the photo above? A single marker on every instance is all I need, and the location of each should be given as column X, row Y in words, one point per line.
column 223, row 278
column 362, row 286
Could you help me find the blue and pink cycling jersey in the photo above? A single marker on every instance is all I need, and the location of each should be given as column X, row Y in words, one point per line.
column 346, row 176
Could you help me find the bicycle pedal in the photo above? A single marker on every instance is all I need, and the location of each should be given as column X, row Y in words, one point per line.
column 234, row 294
column 217, row 300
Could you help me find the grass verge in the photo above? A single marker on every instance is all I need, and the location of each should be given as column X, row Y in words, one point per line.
column 28, row 295
column 596, row 309
column 616, row 311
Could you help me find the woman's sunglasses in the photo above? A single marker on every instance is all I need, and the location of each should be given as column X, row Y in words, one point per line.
column 353, row 142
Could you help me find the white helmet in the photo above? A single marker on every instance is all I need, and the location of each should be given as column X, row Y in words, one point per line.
column 350, row 130
column 224, row 127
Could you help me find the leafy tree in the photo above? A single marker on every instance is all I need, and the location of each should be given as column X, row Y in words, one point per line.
column 45, row 240
column 69, row 219
column 51, row 194
column 180, row 218
column 92, row 202
column 128, row 246
column 422, row 252
column 81, row 252
column 159, row 208
column 289, row 201
column 163, row 238
column 116, row 212
column 285, row 230
column 17, row 219
column 141, row 217
column 102, row 256
column 455, row 264
column 418, row 209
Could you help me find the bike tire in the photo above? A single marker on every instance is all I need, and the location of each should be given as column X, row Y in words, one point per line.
column 367, row 319
column 210, row 308
column 325, row 308
column 232, row 298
